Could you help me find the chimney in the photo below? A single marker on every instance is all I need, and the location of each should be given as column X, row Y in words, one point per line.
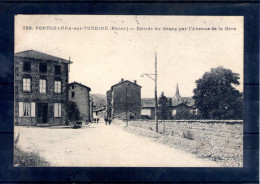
column 122, row 79
column 135, row 81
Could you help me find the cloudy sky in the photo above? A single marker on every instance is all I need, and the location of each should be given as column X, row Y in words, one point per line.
column 102, row 57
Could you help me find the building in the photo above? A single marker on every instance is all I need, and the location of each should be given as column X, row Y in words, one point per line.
column 179, row 104
column 79, row 94
column 123, row 97
column 100, row 112
column 41, row 88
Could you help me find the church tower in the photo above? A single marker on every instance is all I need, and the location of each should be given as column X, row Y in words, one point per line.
column 177, row 97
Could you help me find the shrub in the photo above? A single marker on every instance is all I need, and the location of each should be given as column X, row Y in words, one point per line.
column 73, row 114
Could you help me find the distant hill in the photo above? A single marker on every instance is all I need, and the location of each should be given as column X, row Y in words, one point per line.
column 99, row 99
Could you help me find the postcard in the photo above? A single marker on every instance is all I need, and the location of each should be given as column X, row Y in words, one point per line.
column 128, row 91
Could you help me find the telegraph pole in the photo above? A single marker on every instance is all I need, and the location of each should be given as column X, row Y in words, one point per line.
column 155, row 94
column 155, row 90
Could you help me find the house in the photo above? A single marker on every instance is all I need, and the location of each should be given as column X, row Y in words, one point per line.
column 41, row 88
column 123, row 97
column 100, row 112
column 179, row 104
column 79, row 94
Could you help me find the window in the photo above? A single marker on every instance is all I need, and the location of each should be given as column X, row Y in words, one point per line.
column 42, row 86
column 57, row 86
column 57, row 70
column 174, row 112
column 57, row 110
column 43, row 68
column 194, row 111
column 26, row 84
column 26, row 109
column 72, row 94
column 72, row 87
column 26, row 66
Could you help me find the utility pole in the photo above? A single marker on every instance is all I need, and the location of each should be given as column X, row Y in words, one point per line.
column 126, row 119
column 155, row 90
column 155, row 94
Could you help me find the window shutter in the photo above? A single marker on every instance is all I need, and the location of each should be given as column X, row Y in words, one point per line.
column 20, row 109
column 59, row 109
column 55, row 109
column 32, row 109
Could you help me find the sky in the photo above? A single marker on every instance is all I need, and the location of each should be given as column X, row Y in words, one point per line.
column 127, row 48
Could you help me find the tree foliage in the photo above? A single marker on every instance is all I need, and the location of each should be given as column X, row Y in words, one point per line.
column 73, row 113
column 164, row 111
column 216, row 97
column 184, row 114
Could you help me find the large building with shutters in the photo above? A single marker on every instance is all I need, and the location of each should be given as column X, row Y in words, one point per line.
column 41, row 89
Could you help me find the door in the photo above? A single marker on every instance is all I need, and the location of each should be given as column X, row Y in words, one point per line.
column 43, row 112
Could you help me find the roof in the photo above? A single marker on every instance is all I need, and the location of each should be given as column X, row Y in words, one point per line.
column 41, row 56
column 99, row 109
column 80, row 85
column 150, row 103
column 121, row 82
column 177, row 96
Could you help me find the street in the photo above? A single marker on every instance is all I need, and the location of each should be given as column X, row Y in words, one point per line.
column 101, row 145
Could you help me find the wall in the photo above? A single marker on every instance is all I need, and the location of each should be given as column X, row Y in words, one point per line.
column 81, row 98
column 35, row 96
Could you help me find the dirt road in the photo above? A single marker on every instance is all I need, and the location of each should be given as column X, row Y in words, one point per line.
column 104, row 146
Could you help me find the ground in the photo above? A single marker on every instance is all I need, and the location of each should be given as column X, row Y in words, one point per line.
column 104, row 146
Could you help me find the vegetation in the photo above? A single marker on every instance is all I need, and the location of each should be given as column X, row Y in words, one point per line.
column 185, row 114
column 73, row 114
column 216, row 97
column 29, row 159
column 164, row 111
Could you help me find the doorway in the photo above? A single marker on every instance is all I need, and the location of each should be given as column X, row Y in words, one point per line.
column 43, row 112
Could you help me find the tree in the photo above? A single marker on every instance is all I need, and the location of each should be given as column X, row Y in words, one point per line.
column 216, row 97
column 164, row 107
column 184, row 114
column 73, row 113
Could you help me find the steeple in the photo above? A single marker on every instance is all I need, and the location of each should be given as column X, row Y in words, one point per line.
column 177, row 96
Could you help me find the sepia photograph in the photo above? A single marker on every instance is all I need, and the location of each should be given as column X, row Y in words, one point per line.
column 128, row 91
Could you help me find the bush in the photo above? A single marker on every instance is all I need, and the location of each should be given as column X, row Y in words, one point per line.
column 73, row 114
column 184, row 114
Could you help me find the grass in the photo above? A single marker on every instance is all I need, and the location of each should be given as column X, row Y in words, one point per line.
column 27, row 159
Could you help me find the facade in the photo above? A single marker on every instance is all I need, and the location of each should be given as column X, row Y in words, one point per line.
column 124, row 97
column 41, row 89
column 79, row 94
column 179, row 104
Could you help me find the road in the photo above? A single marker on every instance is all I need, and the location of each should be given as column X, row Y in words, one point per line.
column 103, row 146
